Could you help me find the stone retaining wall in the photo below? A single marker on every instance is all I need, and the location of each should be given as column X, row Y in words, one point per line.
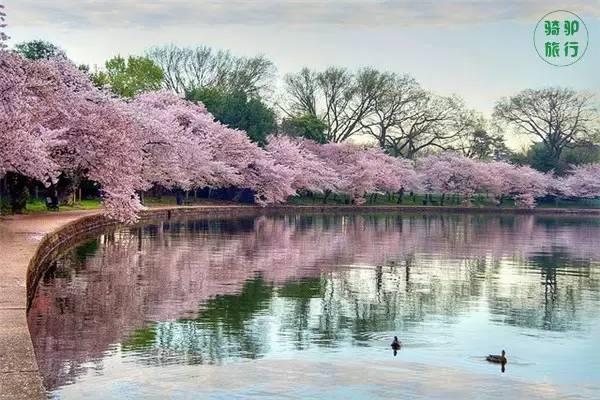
column 56, row 242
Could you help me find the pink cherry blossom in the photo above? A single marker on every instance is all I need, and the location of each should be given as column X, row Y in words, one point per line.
column 54, row 120
column 391, row 174
column 451, row 173
column 309, row 171
column 583, row 181
column 31, row 101
column 174, row 156
column 522, row 183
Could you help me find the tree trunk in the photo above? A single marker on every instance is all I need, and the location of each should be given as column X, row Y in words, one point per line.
column 2, row 192
column 18, row 192
column 327, row 193
column 400, row 195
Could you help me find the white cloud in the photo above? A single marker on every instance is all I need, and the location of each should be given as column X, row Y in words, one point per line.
column 154, row 14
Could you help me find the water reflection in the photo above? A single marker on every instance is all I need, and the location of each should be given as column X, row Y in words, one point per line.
column 218, row 290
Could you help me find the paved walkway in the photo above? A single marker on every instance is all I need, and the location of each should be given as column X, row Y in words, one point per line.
column 19, row 239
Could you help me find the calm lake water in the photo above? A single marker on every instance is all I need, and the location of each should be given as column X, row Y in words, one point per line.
column 303, row 306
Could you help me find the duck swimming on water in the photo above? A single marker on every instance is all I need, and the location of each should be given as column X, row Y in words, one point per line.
column 499, row 359
column 396, row 344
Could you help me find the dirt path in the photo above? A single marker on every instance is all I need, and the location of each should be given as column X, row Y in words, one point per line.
column 19, row 239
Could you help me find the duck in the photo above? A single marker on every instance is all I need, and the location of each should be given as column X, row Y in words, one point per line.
column 499, row 359
column 396, row 343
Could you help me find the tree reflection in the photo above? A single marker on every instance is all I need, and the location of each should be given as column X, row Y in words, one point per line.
column 220, row 328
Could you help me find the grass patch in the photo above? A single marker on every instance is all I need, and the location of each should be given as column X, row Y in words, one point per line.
column 392, row 200
column 36, row 206
column 436, row 200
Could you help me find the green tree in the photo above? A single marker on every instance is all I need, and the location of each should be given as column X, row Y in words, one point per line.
column 236, row 110
column 39, row 49
column 583, row 153
column 129, row 77
column 538, row 156
column 483, row 145
column 306, row 125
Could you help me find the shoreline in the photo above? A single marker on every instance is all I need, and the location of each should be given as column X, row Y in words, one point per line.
column 27, row 242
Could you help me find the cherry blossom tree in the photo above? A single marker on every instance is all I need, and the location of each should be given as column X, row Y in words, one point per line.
column 102, row 144
column 392, row 174
column 522, row 183
column 583, row 182
column 157, row 138
column 530, row 185
column 255, row 168
column 451, row 173
column 54, row 121
column 185, row 147
column 351, row 165
column 174, row 156
column 192, row 150
column 362, row 171
column 310, row 172
column 32, row 98
column 100, row 141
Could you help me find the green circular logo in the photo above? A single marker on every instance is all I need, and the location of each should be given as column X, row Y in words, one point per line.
column 561, row 38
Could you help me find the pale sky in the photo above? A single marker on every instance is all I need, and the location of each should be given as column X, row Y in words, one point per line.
column 480, row 50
